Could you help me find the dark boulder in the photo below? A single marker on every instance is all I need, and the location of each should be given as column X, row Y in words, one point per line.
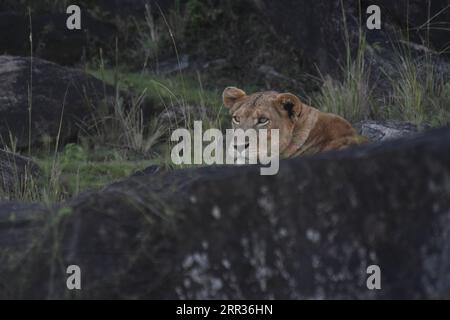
column 52, row 40
column 308, row 232
column 54, row 93
column 317, row 28
column 102, row 22
column 428, row 22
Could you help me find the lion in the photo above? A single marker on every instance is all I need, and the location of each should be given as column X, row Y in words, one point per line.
column 303, row 130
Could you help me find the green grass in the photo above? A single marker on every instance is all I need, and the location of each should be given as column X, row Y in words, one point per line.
column 129, row 142
column 182, row 96
column 418, row 92
column 77, row 176
column 351, row 96
column 172, row 89
column 114, row 146
column 74, row 170
column 130, row 133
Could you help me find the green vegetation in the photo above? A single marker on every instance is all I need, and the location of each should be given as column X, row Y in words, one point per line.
column 352, row 96
column 78, row 172
column 176, row 89
column 132, row 132
column 421, row 94
column 74, row 170
column 416, row 90
column 115, row 145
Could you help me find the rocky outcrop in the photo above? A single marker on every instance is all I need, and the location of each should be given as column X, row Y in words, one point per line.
column 304, row 37
column 421, row 18
column 377, row 131
column 318, row 28
column 51, row 39
column 311, row 231
column 47, row 95
column 99, row 28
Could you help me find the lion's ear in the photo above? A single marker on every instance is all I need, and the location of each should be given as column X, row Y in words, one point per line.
column 231, row 95
column 289, row 103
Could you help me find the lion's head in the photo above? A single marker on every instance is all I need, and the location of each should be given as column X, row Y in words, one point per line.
column 263, row 110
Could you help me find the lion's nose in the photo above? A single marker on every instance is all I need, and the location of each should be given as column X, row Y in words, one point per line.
column 241, row 147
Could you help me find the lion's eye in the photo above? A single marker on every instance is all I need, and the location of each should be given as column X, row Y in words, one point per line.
column 236, row 119
column 263, row 120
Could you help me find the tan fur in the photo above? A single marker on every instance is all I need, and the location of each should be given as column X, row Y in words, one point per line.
column 303, row 130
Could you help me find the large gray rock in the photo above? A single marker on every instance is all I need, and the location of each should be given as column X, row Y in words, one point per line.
column 54, row 93
column 225, row 232
column 377, row 131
